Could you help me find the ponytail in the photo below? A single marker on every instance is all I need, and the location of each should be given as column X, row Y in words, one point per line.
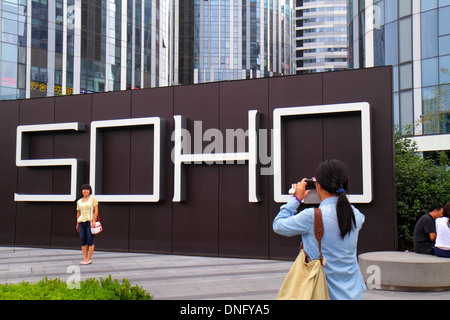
column 345, row 215
column 333, row 176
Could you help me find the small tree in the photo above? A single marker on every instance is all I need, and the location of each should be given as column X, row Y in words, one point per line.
column 419, row 183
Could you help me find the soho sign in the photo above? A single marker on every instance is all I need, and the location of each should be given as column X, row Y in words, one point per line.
column 181, row 159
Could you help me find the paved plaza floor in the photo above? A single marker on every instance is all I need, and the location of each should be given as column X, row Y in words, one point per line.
column 170, row 277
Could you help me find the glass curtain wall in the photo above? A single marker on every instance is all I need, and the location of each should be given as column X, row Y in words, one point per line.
column 234, row 39
column 414, row 37
column 321, row 35
column 59, row 47
column 13, row 48
column 56, row 47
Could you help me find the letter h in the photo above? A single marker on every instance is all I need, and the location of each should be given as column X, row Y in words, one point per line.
column 180, row 159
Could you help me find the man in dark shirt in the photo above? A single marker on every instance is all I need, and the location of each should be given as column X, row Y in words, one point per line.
column 425, row 230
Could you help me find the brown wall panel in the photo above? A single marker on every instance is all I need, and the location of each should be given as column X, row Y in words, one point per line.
column 63, row 226
column 116, row 146
column 293, row 92
column 302, row 148
column 36, row 180
column 151, row 223
column 342, row 140
column 239, row 221
column 141, row 160
column 216, row 217
column 111, row 105
column 151, row 227
column 33, row 220
column 36, row 111
column 115, row 218
column 115, row 167
column 374, row 86
column 9, row 119
column 33, row 224
column 69, row 145
column 195, row 221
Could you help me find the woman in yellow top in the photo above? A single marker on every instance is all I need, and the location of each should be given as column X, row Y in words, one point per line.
column 87, row 212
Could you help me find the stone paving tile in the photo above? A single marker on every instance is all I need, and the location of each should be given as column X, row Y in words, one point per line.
column 170, row 277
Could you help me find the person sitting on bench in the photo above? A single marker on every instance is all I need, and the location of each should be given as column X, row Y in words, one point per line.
column 425, row 230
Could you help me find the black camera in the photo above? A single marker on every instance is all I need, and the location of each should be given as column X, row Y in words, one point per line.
column 310, row 183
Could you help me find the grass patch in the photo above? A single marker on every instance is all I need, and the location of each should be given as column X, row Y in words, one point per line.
column 90, row 289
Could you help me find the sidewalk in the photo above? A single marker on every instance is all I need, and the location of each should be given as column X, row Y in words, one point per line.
column 170, row 277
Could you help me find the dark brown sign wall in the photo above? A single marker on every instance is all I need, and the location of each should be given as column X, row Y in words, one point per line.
column 216, row 218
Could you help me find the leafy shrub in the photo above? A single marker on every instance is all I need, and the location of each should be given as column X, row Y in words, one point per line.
column 90, row 289
column 419, row 183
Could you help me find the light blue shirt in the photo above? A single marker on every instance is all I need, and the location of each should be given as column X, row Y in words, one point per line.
column 344, row 279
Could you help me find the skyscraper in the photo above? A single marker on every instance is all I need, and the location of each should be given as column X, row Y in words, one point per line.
column 234, row 39
column 57, row 47
column 321, row 35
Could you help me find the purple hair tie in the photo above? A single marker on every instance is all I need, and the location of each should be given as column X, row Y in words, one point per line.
column 339, row 191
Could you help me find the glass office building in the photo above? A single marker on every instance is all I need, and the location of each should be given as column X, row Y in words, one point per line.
column 321, row 35
column 414, row 37
column 233, row 39
column 57, row 47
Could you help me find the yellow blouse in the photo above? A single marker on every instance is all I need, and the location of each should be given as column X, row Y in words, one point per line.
column 85, row 209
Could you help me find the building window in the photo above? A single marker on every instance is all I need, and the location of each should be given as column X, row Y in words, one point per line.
column 430, row 72
column 444, row 25
column 405, row 40
column 429, row 34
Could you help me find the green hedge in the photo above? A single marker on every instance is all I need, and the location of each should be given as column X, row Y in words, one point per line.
column 90, row 289
column 419, row 183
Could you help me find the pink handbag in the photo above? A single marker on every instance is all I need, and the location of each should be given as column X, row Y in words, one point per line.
column 97, row 228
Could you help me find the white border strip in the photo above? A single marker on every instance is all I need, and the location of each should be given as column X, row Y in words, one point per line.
column 159, row 129
column 180, row 159
column 72, row 162
column 362, row 107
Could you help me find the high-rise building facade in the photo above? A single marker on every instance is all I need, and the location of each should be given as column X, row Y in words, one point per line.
column 321, row 35
column 414, row 37
column 57, row 47
column 234, row 39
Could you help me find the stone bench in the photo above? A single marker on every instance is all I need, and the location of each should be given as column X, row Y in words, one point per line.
column 405, row 271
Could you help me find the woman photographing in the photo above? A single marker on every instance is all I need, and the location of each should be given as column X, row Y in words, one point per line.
column 341, row 224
